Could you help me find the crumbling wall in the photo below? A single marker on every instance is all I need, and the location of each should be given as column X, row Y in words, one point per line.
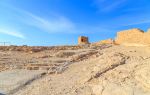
column 133, row 37
column 83, row 40
column 107, row 41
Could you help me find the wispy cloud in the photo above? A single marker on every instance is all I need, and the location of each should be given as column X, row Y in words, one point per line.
column 132, row 19
column 53, row 24
column 138, row 22
column 57, row 24
column 12, row 32
column 113, row 6
column 106, row 6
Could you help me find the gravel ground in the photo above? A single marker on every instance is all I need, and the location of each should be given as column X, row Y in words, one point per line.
column 12, row 80
column 106, row 70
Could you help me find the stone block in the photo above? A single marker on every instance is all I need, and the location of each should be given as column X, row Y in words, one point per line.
column 83, row 40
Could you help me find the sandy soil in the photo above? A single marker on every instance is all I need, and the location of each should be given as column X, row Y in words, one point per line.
column 101, row 70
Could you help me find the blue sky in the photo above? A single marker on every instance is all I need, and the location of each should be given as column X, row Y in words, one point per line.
column 60, row 22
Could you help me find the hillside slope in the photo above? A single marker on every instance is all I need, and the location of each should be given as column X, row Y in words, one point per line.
column 116, row 70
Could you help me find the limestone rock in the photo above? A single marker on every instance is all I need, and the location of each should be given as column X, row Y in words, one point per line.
column 107, row 41
column 133, row 37
column 83, row 40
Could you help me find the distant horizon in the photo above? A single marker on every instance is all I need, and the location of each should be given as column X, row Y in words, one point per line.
column 46, row 43
column 61, row 22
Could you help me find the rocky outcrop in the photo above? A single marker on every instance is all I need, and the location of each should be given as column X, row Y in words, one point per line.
column 103, row 42
column 133, row 37
column 107, row 41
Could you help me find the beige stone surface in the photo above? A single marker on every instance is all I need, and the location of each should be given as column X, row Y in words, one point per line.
column 83, row 40
column 107, row 41
column 12, row 80
column 133, row 37
column 100, row 70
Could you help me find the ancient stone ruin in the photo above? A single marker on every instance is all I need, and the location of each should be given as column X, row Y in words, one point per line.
column 102, row 42
column 107, row 41
column 83, row 40
column 133, row 37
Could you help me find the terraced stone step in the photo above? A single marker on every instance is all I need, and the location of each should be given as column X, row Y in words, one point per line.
column 41, row 66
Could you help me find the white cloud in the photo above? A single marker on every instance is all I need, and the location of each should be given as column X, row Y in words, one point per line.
column 53, row 24
column 12, row 32
column 60, row 24
column 114, row 5
column 131, row 19
column 106, row 6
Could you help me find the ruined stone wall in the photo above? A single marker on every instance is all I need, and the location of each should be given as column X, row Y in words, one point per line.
column 107, row 41
column 83, row 40
column 133, row 37
column 147, row 38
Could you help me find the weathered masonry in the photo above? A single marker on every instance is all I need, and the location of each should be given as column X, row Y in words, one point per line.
column 83, row 40
column 133, row 37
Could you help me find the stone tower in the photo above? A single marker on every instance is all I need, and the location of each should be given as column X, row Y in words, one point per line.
column 83, row 40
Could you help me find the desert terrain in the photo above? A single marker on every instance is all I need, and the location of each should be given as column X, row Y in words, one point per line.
column 74, row 47
column 104, row 69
